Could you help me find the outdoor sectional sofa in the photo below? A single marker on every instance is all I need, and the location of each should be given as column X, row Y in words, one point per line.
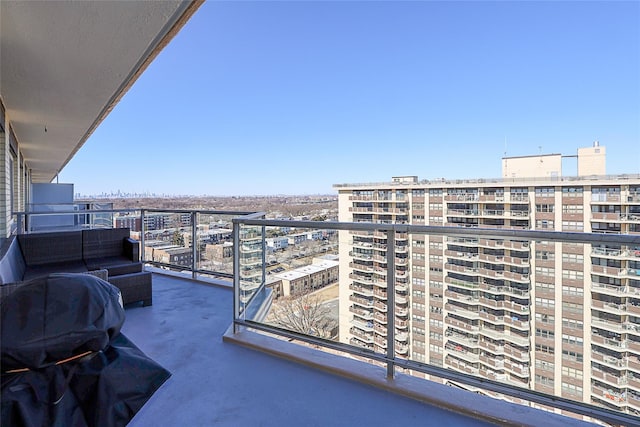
column 110, row 252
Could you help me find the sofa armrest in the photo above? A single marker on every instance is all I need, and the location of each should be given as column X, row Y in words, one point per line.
column 131, row 249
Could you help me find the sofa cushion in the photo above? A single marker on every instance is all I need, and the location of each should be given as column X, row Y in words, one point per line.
column 103, row 243
column 12, row 266
column 49, row 248
column 43, row 270
column 115, row 265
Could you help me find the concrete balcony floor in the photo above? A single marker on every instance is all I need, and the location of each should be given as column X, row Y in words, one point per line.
column 220, row 383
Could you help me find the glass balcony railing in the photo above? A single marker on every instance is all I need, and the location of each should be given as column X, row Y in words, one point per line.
column 166, row 236
column 461, row 321
column 563, row 336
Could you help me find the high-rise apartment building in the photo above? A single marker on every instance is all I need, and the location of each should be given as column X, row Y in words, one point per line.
column 556, row 317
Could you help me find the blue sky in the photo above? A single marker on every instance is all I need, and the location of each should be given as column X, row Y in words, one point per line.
column 256, row 98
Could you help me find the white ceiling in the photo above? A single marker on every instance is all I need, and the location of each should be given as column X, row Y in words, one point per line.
column 65, row 64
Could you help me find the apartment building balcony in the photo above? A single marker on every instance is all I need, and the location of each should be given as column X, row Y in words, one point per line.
column 381, row 331
column 609, row 343
column 605, row 198
column 469, row 270
column 461, row 325
column 401, row 348
column 492, row 362
column 365, row 302
column 497, row 320
column 465, row 256
column 516, row 323
column 615, row 398
column 491, row 346
column 471, row 283
column 460, row 352
column 506, row 336
column 361, row 290
column 462, row 312
column 461, row 366
column 361, row 243
column 381, row 343
column 361, row 267
column 465, row 340
column 609, row 378
column 606, row 216
column 362, row 335
column 608, row 325
column 360, row 278
column 361, row 312
column 380, row 318
column 606, row 289
column 462, row 197
column 363, row 325
column 609, row 361
column 460, row 297
column 518, row 198
column 609, row 307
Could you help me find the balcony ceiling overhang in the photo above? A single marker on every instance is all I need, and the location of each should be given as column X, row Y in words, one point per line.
column 64, row 65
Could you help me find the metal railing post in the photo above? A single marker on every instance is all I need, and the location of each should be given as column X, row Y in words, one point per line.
column 142, row 247
column 391, row 304
column 194, row 244
column 264, row 254
column 236, row 275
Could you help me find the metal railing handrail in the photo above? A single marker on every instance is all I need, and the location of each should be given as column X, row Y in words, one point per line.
column 507, row 234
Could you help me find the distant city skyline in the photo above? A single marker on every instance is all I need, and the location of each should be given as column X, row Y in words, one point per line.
column 262, row 98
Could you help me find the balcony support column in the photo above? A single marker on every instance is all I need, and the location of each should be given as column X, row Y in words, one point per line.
column 391, row 306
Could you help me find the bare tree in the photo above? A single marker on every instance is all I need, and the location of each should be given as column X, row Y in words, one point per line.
column 306, row 314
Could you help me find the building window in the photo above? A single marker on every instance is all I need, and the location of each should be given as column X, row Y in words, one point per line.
column 545, row 349
column 543, row 364
column 545, row 318
column 572, row 372
column 435, row 323
column 571, row 389
column 572, row 274
column 573, row 324
column 572, row 191
column 545, row 191
column 545, row 287
column 546, row 271
column 573, row 209
column 543, row 333
column 572, row 225
column 435, row 349
column 571, row 339
column 544, row 224
column 572, row 355
column 575, row 258
column 572, row 307
column 435, row 245
column 541, row 379
column 545, row 208
column 572, row 291
column 545, row 303
column 545, row 255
